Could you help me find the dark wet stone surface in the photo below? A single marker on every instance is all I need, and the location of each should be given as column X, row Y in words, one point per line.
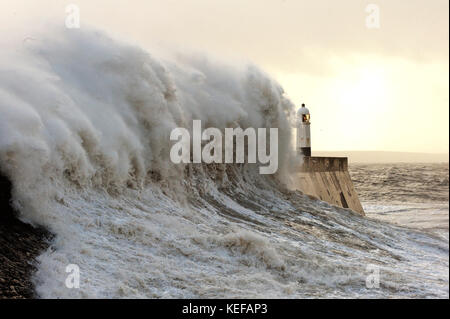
column 20, row 244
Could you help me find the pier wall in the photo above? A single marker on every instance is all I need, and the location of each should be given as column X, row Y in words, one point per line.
column 328, row 179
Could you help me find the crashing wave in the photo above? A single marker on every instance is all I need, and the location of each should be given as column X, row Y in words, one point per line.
column 84, row 137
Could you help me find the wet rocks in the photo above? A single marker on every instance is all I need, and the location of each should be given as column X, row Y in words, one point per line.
column 20, row 244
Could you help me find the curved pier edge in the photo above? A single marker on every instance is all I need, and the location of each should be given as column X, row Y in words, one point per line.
column 328, row 179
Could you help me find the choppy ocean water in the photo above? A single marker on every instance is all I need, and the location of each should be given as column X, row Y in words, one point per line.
column 413, row 195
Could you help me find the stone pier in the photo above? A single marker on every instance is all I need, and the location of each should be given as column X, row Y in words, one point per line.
column 328, row 179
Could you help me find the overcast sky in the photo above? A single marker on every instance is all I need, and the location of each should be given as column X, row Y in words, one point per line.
column 383, row 88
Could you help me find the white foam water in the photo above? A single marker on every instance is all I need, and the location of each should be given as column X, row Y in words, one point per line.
column 84, row 137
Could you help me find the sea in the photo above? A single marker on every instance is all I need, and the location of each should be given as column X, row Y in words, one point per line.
column 85, row 122
column 407, row 194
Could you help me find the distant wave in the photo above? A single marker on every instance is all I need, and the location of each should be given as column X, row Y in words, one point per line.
column 401, row 182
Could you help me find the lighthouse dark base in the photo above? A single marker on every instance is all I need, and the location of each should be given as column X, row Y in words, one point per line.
column 305, row 151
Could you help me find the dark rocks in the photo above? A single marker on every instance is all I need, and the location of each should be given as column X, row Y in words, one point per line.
column 20, row 244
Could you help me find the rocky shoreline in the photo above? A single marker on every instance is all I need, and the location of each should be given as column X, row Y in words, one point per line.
column 20, row 244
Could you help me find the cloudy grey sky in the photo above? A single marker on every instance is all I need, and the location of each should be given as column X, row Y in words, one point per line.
column 368, row 89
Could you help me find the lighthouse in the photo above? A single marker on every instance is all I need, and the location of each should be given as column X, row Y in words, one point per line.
column 303, row 132
column 326, row 178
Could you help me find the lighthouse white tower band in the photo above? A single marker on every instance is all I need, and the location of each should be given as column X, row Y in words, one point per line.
column 303, row 132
